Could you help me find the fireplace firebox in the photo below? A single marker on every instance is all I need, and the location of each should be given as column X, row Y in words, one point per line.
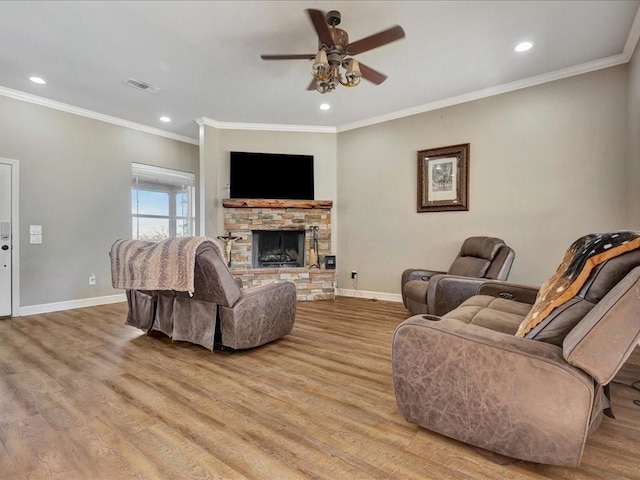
column 277, row 248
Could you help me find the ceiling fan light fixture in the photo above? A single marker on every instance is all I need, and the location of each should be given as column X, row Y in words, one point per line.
column 321, row 70
column 331, row 67
column 325, row 87
column 353, row 75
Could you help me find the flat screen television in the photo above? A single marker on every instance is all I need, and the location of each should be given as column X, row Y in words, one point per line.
column 271, row 176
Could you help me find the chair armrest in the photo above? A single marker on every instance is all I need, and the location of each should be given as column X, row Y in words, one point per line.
column 513, row 396
column 509, row 291
column 415, row 274
column 418, row 274
column 464, row 332
column 446, row 292
column 263, row 314
column 606, row 336
column 265, row 298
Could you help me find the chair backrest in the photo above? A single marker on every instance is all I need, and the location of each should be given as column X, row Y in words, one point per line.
column 213, row 280
column 483, row 257
column 602, row 279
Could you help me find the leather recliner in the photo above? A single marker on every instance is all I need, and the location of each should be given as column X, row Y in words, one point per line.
column 219, row 313
column 467, row 376
column 437, row 292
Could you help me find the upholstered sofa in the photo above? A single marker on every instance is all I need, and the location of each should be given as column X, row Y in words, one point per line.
column 437, row 292
column 218, row 313
column 534, row 397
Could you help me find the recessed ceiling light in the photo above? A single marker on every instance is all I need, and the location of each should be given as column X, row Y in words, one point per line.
column 523, row 46
column 325, row 106
column 38, row 80
column 165, row 119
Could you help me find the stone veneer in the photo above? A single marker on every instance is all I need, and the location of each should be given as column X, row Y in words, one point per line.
column 243, row 216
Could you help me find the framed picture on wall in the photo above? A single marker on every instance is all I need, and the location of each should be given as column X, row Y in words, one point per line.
column 443, row 179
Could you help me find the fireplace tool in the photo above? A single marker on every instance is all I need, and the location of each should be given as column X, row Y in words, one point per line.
column 313, row 251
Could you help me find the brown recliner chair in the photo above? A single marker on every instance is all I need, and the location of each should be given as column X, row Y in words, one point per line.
column 219, row 313
column 536, row 398
column 435, row 292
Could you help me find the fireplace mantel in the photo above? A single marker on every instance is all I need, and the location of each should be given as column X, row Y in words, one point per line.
column 268, row 203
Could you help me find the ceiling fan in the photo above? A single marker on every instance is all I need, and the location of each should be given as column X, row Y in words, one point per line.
column 335, row 51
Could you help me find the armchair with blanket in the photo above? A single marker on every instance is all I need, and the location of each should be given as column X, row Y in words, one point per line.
column 521, row 372
column 183, row 288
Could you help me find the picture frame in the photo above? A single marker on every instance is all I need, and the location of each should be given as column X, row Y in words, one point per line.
column 443, row 179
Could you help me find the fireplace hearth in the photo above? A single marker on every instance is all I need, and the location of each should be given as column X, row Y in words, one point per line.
column 277, row 248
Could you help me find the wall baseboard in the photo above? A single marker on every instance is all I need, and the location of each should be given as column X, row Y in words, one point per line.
column 71, row 304
column 390, row 297
column 121, row 297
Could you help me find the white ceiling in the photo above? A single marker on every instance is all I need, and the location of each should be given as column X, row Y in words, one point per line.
column 205, row 56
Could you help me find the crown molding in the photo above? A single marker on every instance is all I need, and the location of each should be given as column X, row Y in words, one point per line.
column 267, row 127
column 612, row 61
column 632, row 39
column 45, row 102
column 630, row 45
column 490, row 92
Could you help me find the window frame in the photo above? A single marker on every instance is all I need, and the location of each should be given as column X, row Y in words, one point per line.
column 173, row 183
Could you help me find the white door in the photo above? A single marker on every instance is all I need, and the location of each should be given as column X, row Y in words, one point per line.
column 5, row 240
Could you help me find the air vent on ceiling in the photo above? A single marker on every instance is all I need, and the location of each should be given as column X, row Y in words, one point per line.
column 144, row 86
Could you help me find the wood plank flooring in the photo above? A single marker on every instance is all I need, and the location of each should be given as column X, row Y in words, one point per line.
column 82, row 396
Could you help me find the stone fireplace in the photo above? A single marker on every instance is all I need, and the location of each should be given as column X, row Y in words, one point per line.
column 275, row 241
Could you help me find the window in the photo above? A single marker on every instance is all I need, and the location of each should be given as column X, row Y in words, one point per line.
column 162, row 203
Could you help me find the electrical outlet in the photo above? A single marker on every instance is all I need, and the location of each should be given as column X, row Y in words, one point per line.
column 92, row 279
column 354, row 274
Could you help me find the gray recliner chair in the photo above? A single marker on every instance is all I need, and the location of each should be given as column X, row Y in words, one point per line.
column 219, row 313
column 467, row 376
column 437, row 292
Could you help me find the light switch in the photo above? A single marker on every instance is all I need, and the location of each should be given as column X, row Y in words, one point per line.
column 36, row 239
column 35, row 230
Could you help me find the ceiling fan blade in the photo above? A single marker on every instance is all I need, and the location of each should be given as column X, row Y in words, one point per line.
column 312, row 85
column 320, row 24
column 302, row 56
column 376, row 40
column 372, row 75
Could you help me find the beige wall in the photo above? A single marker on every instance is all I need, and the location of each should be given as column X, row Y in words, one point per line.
column 548, row 164
column 218, row 143
column 75, row 181
column 634, row 140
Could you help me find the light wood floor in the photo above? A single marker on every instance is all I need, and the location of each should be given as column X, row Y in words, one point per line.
column 84, row 397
